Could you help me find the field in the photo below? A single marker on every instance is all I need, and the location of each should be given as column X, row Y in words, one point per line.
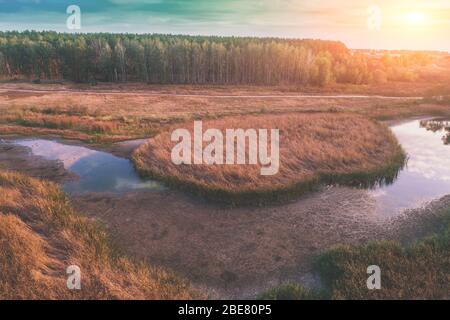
column 108, row 113
column 174, row 233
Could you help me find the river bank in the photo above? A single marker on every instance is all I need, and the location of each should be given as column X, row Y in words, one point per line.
column 236, row 252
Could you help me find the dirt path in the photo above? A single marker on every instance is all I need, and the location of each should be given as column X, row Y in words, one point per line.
column 144, row 93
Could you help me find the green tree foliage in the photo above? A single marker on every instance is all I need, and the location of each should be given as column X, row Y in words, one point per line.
column 167, row 59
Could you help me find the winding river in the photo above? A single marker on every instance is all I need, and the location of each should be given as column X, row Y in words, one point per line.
column 240, row 252
column 426, row 176
column 97, row 171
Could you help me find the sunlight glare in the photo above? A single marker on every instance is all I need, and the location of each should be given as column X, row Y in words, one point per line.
column 415, row 18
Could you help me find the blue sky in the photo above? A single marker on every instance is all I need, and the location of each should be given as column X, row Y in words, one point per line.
column 404, row 24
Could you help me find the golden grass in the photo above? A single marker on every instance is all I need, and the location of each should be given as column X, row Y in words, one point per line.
column 112, row 112
column 415, row 271
column 314, row 148
column 420, row 271
column 41, row 235
column 68, row 134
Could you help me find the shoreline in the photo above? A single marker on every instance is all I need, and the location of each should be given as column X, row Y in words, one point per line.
column 213, row 246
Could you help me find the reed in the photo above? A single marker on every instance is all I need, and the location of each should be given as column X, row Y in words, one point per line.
column 315, row 149
column 41, row 235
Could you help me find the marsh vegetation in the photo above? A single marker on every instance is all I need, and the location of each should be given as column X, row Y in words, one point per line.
column 321, row 148
column 417, row 270
column 438, row 125
column 42, row 235
column 105, row 88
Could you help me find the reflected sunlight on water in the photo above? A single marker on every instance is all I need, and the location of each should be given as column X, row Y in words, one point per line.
column 97, row 171
column 427, row 174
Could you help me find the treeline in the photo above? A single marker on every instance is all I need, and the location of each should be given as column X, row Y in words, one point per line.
column 168, row 59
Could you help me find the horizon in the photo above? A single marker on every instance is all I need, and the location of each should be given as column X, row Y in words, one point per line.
column 371, row 25
column 229, row 36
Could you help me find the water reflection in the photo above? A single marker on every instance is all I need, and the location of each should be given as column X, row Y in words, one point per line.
column 427, row 174
column 438, row 126
column 97, row 171
column 425, row 177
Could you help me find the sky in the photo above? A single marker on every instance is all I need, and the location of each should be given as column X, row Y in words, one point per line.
column 372, row 24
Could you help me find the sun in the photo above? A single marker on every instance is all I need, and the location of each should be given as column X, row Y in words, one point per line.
column 415, row 18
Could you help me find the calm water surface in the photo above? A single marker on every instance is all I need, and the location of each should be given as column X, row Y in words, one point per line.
column 97, row 171
column 427, row 174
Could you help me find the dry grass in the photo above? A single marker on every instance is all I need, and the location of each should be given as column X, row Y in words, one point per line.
column 41, row 235
column 114, row 112
column 397, row 89
column 415, row 269
column 314, row 149
column 420, row 271
column 68, row 134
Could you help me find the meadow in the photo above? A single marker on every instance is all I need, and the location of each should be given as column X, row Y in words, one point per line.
column 315, row 148
column 329, row 101
column 106, row 113
column 109, row 113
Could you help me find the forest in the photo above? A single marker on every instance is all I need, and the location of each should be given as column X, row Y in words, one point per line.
column 178, row 59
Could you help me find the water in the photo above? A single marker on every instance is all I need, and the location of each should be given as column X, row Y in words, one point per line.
column 97, row 171
column 427, row 174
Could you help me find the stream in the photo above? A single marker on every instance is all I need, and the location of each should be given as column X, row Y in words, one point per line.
column 426, row 176
column 239, row 252
column 97, row 171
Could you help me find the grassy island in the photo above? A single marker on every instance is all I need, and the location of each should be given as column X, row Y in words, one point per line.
column 314, row 149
